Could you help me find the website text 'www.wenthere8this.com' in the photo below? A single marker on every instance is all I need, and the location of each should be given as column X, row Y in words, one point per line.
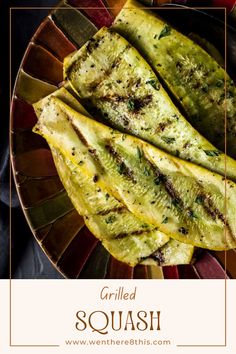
column 125, row 342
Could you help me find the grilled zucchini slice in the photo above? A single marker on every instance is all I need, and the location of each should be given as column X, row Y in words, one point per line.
column 185, row 201
column 125, row 236
column 201, row 85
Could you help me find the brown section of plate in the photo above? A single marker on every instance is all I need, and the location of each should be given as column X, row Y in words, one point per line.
column 53, row 39
column 39, row 62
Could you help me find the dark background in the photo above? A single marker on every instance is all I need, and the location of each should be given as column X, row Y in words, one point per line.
column 28, row 260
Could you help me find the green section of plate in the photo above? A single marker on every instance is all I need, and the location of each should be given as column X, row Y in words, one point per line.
column 47, row 212
column 72, row 22
column 31, row 89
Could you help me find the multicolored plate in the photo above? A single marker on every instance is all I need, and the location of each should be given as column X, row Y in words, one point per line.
column 56, row 225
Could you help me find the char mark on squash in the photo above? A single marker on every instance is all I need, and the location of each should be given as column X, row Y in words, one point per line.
column 106, row 73
column 158, row 256
column 212, row 210
column 134, row 104
column 118, row 210
column 162, row 126
column 92, row 152
column 161, row 178
column 122, row 167
column 134, row 233
column 92, row 44
column 77, row 131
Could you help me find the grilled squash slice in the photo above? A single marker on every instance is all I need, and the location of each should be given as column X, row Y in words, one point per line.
column 126, row 237
column 200, row 84
column 110, row 75
column 183, row 200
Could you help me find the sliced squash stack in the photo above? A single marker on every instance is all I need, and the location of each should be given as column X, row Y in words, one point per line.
column 128, row 238
column 111, row 76
column 146, row 182
column 200, row 84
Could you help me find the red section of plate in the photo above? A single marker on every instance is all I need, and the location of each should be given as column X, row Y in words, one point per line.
column 25, row 163
column 171, row 272
column 209, row 268
column 24, row 116
column 72, row 261
column 119, row 270
column 100, row 16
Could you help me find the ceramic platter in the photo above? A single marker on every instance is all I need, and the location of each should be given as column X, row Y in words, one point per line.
column 54, row 222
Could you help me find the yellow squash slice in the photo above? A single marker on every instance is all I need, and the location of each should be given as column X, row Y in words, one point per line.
column 126, row 237
column 201, row 85
column 183, row 200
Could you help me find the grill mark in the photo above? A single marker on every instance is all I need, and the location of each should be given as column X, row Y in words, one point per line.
column 133, row 233
column 92, row 44
column 158, row 256
column 167, row 183
column 138, row 103
column 120, row 210
column 92, row 152
column 76, row 130
column 162, row 126
column 176, row 199
column 126, row 171
column 213, row 211
column 108, row 72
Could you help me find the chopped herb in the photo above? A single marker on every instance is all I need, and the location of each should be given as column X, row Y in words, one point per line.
column 92, row 65
column 157, row 180
column 130, row 105
column 183, row 231
column 165, row 220
column 205, row 88
column 121, row 168
column 177, row 153
column 107, row 196
column 80, row 162
column 110, row 219
column 175, row 202
column 154, row 83
column 155, row 36
column 229, row 94
column 155, row 46
column 167, row 139
column 220, row 83
column 165, row 32
column 199, row 199
column 176, row 116
column 192, row 214
column 146, row 172
column 212, row 152
column 144, row 226
column 139, row 152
